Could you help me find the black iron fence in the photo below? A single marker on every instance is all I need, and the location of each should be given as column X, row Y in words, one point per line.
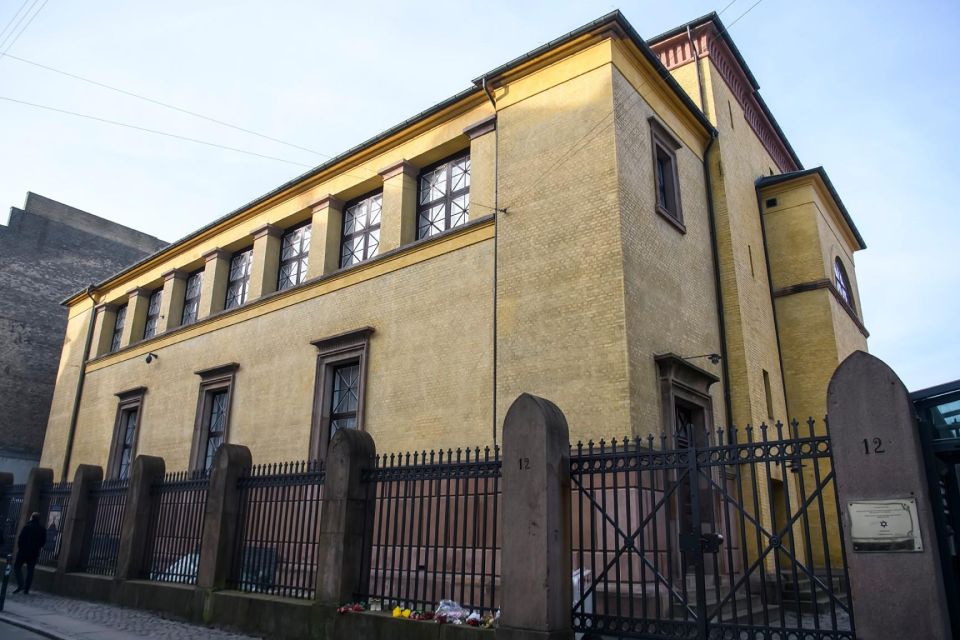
column 107, row 502
column 697, row 535
column 11, row 500
column 435, row 532
column 173, row 540
column 54, row 500
column 278, row 530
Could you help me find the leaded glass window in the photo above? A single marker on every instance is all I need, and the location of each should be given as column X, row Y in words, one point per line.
column 191, row 299
column 128, row 431
column 153, row 314
column 361, row 230
column 444, row 197
column 345, row 398
column 216, row 425
column 118, row 328
column 294, row 255
column 238, row 281
column 843, row 284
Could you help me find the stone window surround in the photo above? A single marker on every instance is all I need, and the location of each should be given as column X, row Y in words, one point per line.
column 662, row 141
column 483, row 126
column 126, row 401
column 213, row 379
column 333, row 351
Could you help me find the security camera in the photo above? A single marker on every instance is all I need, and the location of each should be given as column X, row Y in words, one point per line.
column 151, row 357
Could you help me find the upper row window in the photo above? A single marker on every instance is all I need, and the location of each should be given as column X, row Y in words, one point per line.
column 665, row 175
column 294, row 256
column 153, row 314
column 444, row 197
column 238, row 281
column 118, row 328
column 191, row 299
column 361, row 230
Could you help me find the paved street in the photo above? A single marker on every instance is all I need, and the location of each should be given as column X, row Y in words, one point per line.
column 69, row 619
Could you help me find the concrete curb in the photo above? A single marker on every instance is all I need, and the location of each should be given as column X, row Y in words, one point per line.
column 46, row 633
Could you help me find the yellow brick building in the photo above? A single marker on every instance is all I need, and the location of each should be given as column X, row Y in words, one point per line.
column 586, row 223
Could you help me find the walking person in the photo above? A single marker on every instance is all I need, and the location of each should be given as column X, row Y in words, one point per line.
column 29, row 543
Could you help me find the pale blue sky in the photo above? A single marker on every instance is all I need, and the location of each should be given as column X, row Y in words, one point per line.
column 866, row 89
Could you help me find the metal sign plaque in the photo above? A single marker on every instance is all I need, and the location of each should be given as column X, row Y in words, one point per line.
column 884, row 525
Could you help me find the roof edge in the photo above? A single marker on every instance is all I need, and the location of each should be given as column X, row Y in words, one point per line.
column 769, row 181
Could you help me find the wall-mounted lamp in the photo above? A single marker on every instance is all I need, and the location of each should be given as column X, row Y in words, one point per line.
column 714, row 358
column 151, row 357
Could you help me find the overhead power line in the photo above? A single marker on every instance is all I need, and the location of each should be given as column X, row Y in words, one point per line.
column 13, row 18
column 24, row 28
column 163, row 104
column 148, row 130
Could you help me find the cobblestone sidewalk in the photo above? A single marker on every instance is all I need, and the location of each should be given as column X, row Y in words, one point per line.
column 80, row 620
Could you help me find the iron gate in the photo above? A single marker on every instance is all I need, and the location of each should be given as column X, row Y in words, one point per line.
column 709, row 535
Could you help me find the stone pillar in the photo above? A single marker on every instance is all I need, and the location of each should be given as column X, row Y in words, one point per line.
column 348, row 507
column 138, row 302
column 213, row 293
column 537, row 554
column 266, row 261
column 398, row 218
column 221, row 515
column 145, row 472
column 325, row 229
column 77, row 528
column 483, row 166
column 103, row 329
column 877, row 458
column 171, row 304
column 38, row 479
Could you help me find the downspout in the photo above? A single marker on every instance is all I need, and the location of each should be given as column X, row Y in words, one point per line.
column 715, row 252
column 74, row 414
column 496, row 220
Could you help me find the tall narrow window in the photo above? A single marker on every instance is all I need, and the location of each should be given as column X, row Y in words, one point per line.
column 213, row 414
column 238, row 281
column 843, row 283
column 444, row 197
column 361, row 230
column 665, row 175
column 153, row 314
column 191, row 299
column 125, row 432
column 768, row 393
column 118, row 328
column 345, row 397
column 294, row 256
column 340, row 387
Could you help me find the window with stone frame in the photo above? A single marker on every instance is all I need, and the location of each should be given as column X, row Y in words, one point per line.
column 191, row 298
column 238, row 278
column 118, row 323
column 211, row 426
column 153, row 314
column 360, row 238
column 443, row 196
column 340, row 387
column 125, row 432
column 294, row 256
column 843, row 282
column 666, row 177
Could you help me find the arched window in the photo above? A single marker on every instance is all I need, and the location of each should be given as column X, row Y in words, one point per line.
column 843, row 283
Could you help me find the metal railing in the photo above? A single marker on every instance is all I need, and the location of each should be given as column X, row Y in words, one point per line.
column 278, row 529
column 173, row 540
column 11, row 501
column 435, row 532
column 54, row 500
column 700, row 535
column 107, row 503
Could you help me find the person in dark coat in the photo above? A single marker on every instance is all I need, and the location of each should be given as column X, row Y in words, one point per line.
column 29, row 543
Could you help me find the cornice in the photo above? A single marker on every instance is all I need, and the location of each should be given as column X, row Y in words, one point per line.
column 677, row 51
